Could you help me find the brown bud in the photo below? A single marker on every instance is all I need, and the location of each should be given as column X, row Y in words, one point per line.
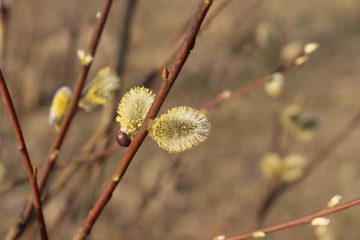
column 165, row 73
column 123, row 139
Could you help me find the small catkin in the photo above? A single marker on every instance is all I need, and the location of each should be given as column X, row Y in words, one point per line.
column 101, row 90
column 60, row 104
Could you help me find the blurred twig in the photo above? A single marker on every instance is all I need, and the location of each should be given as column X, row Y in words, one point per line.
column 73, row 25
column 124, row 33
column 230, row 94
column 307, row 219
column 55, row 148
column 170, row 54
column 324, row 152
column 4, row 14
column 165, row 88
column 31, row 172
column 10, row 185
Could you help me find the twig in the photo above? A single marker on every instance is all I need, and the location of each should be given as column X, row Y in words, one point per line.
column 299, row 221
column 166, row 60
column 55, row 148
column 227, row 94
column 11, row 185
column 124, row 35
column 165, row 88
column 31, row 172
column 315, row 161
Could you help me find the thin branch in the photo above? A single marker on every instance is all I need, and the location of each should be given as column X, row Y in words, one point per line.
column 165, row 88
column 324, row 152
column 299, row 221
column 171, row 53
column 31, row 172
column 55, row 148
column 228, row 94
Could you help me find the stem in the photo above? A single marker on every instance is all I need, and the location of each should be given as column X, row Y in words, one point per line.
column 31, row 172
column 55, row 148
column 324, row 152
column 165, row 88
column 227, row 94
column 299, row 221
column 171, row 53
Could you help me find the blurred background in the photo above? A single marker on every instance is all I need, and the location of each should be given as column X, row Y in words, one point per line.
column 218, row 187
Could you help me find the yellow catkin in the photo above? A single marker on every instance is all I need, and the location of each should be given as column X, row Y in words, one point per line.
column 59, row 106
column 180, row 129
column 100, row 91
column 133, row 108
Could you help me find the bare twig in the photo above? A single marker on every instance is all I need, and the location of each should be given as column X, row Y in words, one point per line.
column 299, row 221
column 31, row 172
column 165, row 88
column 55, row 148
column 12, row 184
column 228, row 94
column 324, row 152
column 166, row 60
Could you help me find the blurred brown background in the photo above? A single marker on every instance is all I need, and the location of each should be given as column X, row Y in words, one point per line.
column 218, row 186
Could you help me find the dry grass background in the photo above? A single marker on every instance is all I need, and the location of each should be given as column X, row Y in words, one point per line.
column 218, row 186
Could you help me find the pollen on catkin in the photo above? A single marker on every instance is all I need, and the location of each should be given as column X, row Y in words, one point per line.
column 180, row 129
column 59, row 105
column 133, row 108
column 101, row 90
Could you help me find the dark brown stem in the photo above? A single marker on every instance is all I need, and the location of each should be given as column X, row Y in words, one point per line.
column 31, row 172
column 165, row 88
column 299, row 221
column 55, row 148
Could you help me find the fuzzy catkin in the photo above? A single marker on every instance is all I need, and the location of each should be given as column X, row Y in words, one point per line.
column 180, row 129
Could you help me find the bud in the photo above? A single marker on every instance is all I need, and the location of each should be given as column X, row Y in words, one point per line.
column 258, row 234
column 293, row 168
column 220, row 237
column 226, row 94
column 310, row 48
column 165, row 73
column 334, row 201
column 84, row 58
column 271, row 165
column 301, row 60
column 123, row 139
column 320, row 221
column 275, row 85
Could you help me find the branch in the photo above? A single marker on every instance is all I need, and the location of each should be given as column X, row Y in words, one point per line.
column 165, row 88
column 315, row 161
column 55, row 148
column 227, row 94
column 171, row 53
column 31, row 172
column 299, row 221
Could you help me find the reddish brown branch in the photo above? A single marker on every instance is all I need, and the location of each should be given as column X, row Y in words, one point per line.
column 299, row 221
column 31, row 172
column 165, row 87
column 227, row 95
column 55, row 148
